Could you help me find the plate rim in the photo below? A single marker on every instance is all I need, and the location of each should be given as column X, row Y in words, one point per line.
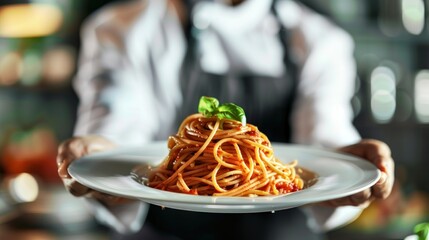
column 226, row 204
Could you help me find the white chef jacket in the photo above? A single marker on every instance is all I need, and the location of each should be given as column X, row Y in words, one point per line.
column 131, row 56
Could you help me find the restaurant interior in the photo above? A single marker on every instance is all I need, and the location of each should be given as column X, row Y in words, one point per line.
column 38, row 60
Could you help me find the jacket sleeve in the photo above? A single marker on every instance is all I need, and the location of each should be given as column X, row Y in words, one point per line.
column 111, row 105
column 322, row 112
column 326, row 80
column 114, row 98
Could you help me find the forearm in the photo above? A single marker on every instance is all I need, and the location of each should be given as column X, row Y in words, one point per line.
column 322, row 112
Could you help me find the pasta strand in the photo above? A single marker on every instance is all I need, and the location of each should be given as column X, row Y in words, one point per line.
column 221, row 157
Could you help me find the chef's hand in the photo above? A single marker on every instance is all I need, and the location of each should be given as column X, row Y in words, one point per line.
column 379, row 154
column 75, row 148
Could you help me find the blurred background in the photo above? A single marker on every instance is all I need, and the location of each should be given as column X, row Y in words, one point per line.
column 38, row 105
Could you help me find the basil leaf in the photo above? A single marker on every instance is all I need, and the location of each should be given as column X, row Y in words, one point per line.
column 208, row 106
column 422, row 231
column 231, row 111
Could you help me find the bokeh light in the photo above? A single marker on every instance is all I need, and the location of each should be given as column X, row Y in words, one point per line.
column 29, row 20
column 24, row 188
column 58, row 64
column 413, row 16
column 10, row 68
column 383, row 94
column 421, row 94
column 31, row 68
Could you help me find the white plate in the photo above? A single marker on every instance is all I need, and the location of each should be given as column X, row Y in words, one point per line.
column 339, row 175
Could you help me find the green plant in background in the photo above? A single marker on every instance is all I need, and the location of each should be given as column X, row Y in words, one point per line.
column 422, row 231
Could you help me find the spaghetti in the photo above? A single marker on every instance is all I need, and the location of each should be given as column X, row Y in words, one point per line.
column 222, row 157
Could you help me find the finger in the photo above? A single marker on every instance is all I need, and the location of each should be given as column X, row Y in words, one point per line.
column 75, row 188
column 64, row 151
column 361, row 198
column 60, row 154
column 97, row 144
column 63, row 171
column 339, row 202
column 382, row 159
column 63, row 160
column 75, row 146
column 107, row 199
column 79, row 190
column 67, row 152
column 78, row 147
column 379, row 154
column 374, row 151
column 383, row 187
column 347, row 201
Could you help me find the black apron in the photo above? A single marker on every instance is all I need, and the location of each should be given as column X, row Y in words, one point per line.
column 267, row 102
